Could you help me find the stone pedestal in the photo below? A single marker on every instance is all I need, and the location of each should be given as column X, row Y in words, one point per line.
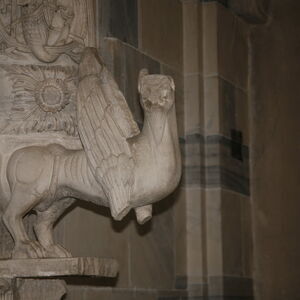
column 36, row 279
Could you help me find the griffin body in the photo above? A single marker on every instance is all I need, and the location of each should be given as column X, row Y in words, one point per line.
column 119, row 166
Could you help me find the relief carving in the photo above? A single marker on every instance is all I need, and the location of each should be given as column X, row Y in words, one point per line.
column 46, row 28
column 118, row 166
column 44, row 99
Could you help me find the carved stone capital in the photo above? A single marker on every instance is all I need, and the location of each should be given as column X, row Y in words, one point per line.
column 253, row 11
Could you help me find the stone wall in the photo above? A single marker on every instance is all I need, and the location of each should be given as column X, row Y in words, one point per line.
column 275, row 148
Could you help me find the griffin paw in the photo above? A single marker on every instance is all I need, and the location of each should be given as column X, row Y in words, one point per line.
column 28, row 249
column 54, row 251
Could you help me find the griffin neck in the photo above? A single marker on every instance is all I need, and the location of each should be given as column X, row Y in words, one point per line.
column 155, row 126
column 158, row 165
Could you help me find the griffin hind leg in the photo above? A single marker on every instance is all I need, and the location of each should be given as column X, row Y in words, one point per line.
column 44, row 228
column 21, row 202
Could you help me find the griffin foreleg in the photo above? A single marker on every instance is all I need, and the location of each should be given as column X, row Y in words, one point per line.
column 44, row 228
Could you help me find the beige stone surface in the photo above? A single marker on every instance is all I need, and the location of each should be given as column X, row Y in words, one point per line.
column 31, row 289
column 161, row 30
column 225, row 45
column 232, row 38
column 81, row 266
column 228, row 233
column 275, row 153
column 210, row 39
column 193, row 103
column 97, row 293
column 152, row 250
column 110, row 239
column 192, row 37
column 232, row 233
column 195, row 239
column 180, row 238
column 234, row 110
column 212, row 108
column 60, row 173
column 213, row 227
column 48, row 112
column 226, row 107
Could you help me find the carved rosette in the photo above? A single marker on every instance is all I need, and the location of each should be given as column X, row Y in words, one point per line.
column 52, row 95
column 44, row 99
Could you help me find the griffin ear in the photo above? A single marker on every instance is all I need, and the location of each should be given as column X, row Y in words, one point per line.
column 172, row 83
column 142, row 74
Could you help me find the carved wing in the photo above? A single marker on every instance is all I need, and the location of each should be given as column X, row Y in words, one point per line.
column 105, row 124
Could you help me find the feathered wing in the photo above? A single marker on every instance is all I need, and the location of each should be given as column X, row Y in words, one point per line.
column 105, row 124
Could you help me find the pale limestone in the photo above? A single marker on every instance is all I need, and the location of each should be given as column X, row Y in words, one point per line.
column 68, row 131
column 58, row 267
column 35, row 279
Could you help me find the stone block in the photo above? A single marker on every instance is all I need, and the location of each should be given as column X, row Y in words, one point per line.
column 109, row 240
column 225, row 109
column 196, row 252
column 192, row 37
column 180, row 238
column 232, row 247
column 233, row 103
column 192, row 147
column 210, row 40
column 80, row 266
column 211, row 108
column 223, row 169
column 161, row 31
column 213, row 215
column 124, row 21
column 32, row 289
column 226, row 286
column 232, row 37
column 152, row 250
column 225, row 44
column 193, row 103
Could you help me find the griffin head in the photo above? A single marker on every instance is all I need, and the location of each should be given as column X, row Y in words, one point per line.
column 157, row 91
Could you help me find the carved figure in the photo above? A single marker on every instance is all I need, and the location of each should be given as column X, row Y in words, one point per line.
column 119, row 166
column 46, row 28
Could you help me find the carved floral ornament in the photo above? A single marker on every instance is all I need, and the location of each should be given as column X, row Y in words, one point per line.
column 43, row 99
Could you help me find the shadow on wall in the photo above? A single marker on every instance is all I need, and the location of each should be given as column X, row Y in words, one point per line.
column 118, row 227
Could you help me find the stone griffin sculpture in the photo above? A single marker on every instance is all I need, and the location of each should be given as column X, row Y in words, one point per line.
column 119, row 166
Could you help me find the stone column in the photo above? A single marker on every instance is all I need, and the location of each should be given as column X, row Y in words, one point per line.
column 253, row 11
column 226, row 205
